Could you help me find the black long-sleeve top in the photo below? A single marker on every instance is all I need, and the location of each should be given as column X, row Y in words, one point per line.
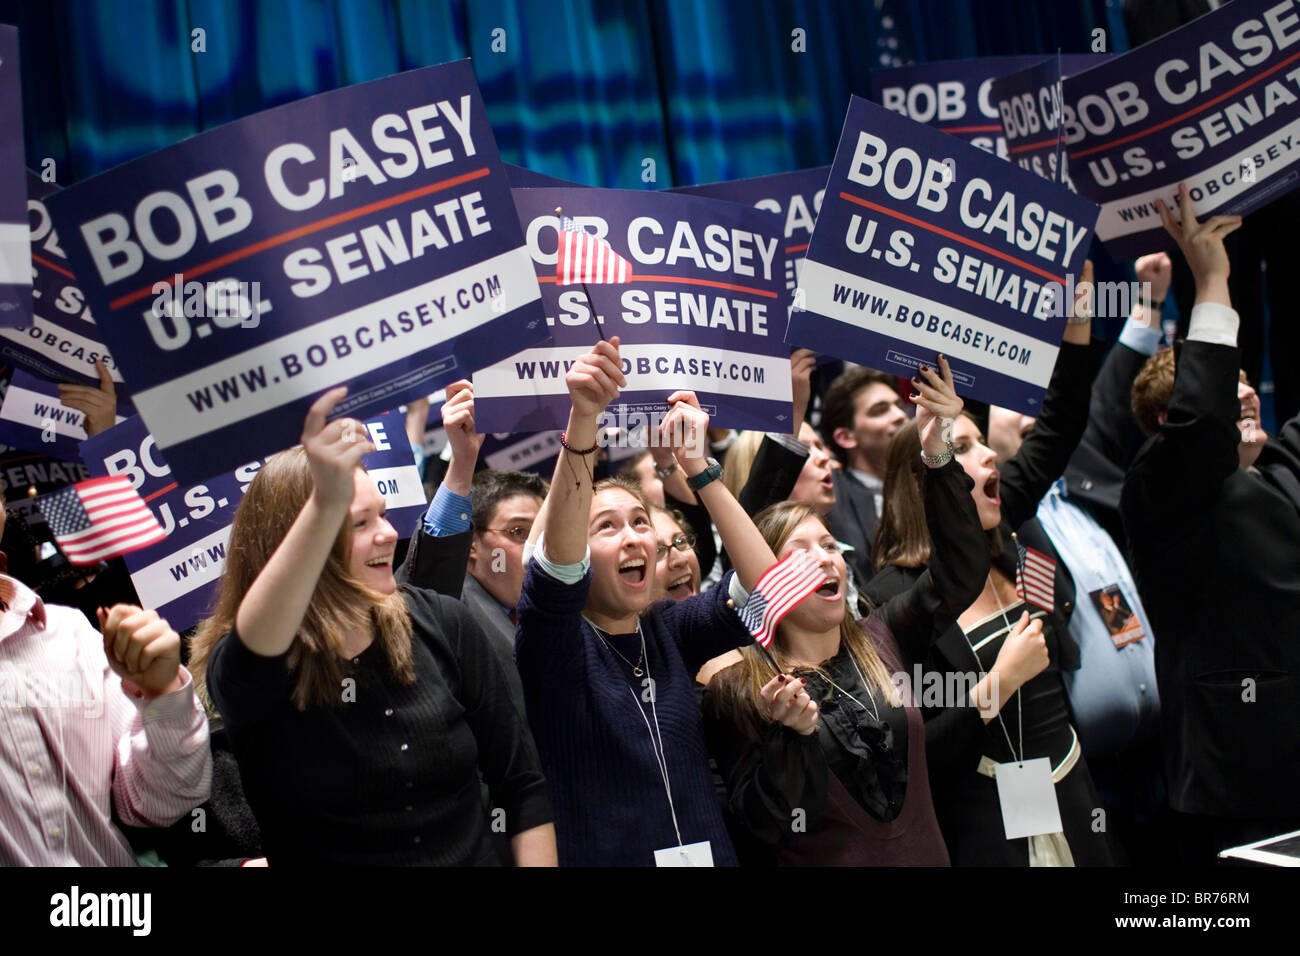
column 390, row 777
column 776, row 771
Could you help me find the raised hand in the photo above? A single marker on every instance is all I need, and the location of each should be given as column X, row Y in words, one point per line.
column 1156, row 272
column 334, row 449
column 98, row 405
column 142, row 649
column 595, row 378
column 1202, row 245
column 937, row 405
column 685, row 429
column 458, row 420
column 784, row 700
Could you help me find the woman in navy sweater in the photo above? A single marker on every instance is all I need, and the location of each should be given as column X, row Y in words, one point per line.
column 607, row 677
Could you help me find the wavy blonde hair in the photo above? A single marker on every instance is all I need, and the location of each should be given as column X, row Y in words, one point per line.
column 340, row 605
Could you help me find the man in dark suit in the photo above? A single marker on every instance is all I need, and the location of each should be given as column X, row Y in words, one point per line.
column 1212, row 513
column 861, row 412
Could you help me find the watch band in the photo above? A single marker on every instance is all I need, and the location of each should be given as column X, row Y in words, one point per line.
column 712, row 473
column 667, row 470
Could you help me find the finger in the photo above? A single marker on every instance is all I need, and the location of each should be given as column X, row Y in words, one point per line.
column 603, row 381
column 141, row 638
column 931, row 375
column 320, row 409
column 105, row 377
column 945, row 370
column 1214, row 222
column 769, row 689
column 686, row 397
column 1225, row 229
column 81, row 391
column 164, row 645
column 1185, row 208
column 1167, row 220
column 455, row 388
column 612, row 368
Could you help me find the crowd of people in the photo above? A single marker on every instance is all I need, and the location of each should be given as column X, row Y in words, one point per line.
column 1093, row 614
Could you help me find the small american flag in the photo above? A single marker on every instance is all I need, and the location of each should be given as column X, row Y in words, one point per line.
column 1036, row 577
column 778, row 591
column 587, row 258
column 99, row 519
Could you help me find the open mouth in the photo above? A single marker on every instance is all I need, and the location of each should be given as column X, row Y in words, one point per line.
column 680, row 588
column 633, row 571
column 991, row 488
column 379, row 562
column 829, row 590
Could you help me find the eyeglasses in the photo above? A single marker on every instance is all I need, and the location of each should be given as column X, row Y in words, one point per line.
column 516, row 533
column 683, row 542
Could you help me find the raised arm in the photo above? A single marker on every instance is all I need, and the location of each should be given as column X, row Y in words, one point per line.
column 959, row 554
column 1047, row 448
column 685, row 429
column 1179, row 474
column 272, row 610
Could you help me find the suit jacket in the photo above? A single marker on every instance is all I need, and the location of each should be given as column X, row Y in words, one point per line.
column 498, row 627
column 1215, row 552
column 1095, row 474
column 853, row 521
column 437, row 564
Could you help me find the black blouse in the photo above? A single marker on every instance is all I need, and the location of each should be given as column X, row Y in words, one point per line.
column 391, row 776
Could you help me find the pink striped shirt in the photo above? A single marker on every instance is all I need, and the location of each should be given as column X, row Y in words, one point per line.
column 74, row 746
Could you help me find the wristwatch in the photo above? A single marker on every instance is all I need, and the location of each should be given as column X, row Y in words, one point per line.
column 667, row 469
column 938, row 461
column 711, row 473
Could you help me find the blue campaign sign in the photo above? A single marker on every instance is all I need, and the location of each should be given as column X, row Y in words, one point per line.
column 61, row 342
column 32, row 417
column 796, row 197
column 1215, row 104
column 1029, row 107
column 910, row 259
column 364, row 236
column 703, row 311
column 178, row 576
column 956, row 96
column 536, row 453
column 15, row 253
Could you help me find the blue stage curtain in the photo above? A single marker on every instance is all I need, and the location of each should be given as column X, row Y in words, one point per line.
column 630, row 93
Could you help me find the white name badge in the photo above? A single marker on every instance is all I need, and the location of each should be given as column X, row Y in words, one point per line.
column 693, row 854
column 1028, row 798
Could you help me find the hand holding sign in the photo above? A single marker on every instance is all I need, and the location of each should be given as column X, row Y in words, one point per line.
column 937, row 404
column 802, row 362
column 97, row 405
column 334, row 449
column 458, row 421
column 1156, row 272
column 594, row 380
column 142, row 649
column 1202, row 246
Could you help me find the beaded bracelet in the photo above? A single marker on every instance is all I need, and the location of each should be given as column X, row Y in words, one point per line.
column 577, row 451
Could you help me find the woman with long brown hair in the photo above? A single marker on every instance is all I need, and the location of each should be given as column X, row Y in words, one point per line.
column 1032, row 719
column 361, row 714
column 824, row 753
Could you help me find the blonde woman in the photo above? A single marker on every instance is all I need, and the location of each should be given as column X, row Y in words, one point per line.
column 361, row 714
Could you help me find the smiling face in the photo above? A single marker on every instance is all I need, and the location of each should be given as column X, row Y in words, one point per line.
column 677, row 573
column 372, row 540
column 980, row 462
column 815, row 487
column 823, row 610
column 623, row 545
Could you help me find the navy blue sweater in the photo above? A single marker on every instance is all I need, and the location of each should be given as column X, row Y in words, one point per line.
column 588, row 717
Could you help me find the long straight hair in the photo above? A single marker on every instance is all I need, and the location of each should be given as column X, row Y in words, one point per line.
column 340, row 605
column 902, row 535
column 737, row 688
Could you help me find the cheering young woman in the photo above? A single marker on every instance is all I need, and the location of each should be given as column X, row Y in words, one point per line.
column 608, row 675
column 361, row 714
column 825, row 759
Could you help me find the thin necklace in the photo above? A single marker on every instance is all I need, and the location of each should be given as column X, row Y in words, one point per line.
column 1020, row 727
column 875, row 713
column 636, row 668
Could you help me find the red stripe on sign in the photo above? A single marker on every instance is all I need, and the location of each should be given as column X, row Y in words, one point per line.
column 50, row 265
column 272, row 241
column 955, row 237
column 1038, row 145
column 160, row 492
column 1182, row 116
column 991, row 128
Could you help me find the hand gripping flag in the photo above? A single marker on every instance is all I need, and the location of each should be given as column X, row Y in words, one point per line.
column 587, row 258
column 1036, row 577
column 99, row 519
column 781, row 587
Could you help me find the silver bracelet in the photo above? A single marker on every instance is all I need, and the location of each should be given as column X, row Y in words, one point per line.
column 938, row 461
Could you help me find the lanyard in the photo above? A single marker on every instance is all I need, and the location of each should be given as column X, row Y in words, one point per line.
column 1020, row 727
column 656, row 735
